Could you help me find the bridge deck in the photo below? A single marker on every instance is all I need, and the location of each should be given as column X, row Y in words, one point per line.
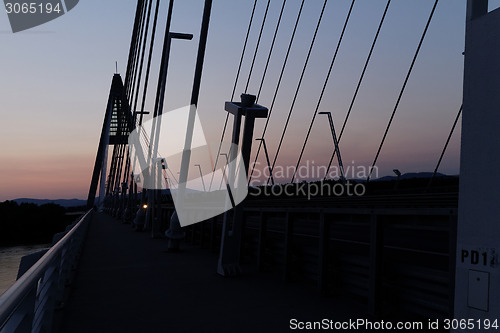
column 127, row 282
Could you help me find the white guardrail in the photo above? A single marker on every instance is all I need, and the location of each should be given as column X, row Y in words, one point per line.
column 29, row 304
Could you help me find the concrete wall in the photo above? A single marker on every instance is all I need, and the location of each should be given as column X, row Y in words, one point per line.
column 477, row 288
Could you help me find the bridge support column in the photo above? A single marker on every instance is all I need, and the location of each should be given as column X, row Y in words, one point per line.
column 477, row 289
column 232, row 228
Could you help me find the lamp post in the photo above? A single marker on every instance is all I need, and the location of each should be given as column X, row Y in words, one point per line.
column 398, row 174
column 267, row 159
column 201, row 176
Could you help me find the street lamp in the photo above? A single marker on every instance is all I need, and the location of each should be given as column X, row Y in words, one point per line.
column 398, row 173
column 201, row 175
column 267, row 158
column 336, row 143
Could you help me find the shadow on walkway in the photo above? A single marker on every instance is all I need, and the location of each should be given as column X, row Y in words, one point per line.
column 127, row 282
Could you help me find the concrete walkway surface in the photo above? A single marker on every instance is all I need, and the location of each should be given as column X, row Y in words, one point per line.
column 127, row 282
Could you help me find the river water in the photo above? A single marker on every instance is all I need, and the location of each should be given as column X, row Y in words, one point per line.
column 10, row 257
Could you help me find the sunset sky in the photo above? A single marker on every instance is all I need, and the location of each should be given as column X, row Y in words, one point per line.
column 55, row 79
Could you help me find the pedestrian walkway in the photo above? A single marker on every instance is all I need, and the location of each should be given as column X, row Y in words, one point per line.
column 127, row 282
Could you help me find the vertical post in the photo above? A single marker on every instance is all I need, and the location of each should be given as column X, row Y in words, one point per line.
column 202, row 233
column 324, row 235
column 246, row 144
column 201, row 176
column 115, row 183
column 112, row 171
column 288, row 241
column 186, row 154
column 233, row 153
column 232, row 227
column 452, row 239
column 156, row 207
column 26, row 311
column 122, row 202
column 262, row 240
column 156, row 130
column 376, row 271
column 213, row 231
column 115, row 187
column 336, row 144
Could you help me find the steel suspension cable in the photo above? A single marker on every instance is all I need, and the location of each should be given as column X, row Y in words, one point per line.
column 141, row 54
column 285, row 61
column 243, row 51
column 257, row 46
column 445, row 146
column 148, row 66
column 161, row 80
column 131, row 52
column 265, row 72
column 160, row 85
column 234, row 90
column 133, row 49
column 118, row 167
column 264, row 77
column 403, row 88
column 299, row 84
column 324, row 86
column 132, row 87
column 146, row 81
column 255, row 53
column 359, row 84
column 130, row 93
column 271, row 50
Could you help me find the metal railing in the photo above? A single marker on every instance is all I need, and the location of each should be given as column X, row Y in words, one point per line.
column 360, row 252
column 29, row 304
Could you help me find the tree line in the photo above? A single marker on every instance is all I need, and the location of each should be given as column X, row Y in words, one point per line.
column 28, row 223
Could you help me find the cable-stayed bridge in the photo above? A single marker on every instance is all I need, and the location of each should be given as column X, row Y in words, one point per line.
column 400, row 249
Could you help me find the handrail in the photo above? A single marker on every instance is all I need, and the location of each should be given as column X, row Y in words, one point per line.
column 32, row 286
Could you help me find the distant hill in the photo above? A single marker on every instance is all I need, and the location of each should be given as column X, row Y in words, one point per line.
column 411, row 175
column 61, row 202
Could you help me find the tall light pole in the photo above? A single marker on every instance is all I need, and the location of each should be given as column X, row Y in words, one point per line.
column 336, row 143
column 201, row 175
column 267, row 158
column 398, row 174
column 186, row 154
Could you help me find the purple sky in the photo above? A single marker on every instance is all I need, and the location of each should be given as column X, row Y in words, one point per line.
column 54, row 82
